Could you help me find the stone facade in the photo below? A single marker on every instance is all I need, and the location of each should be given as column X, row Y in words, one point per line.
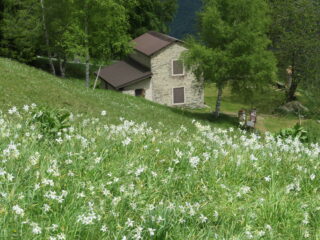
column 145, row 84
column 160, row 87
column 163, row 82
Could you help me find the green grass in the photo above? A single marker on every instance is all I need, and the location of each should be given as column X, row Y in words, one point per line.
column 143, row 171
column 265, row 105
column 21, row 84
column 97, row 180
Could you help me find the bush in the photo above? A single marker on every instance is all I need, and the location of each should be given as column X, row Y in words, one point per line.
column 51, row 123
column 73, row 70
column 313, row 130
column 295, row 132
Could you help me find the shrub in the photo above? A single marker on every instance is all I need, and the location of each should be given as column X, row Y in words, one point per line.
column 295, row 132
column 313, row 130
column 51, row 123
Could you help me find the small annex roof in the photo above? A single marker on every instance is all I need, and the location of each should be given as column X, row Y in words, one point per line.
column 152, row 42
column 124, row 73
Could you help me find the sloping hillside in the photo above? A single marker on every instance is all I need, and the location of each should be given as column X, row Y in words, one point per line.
column 104, row 178
column 21, row 84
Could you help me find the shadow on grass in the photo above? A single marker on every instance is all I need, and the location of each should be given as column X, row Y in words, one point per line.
column 224, row 120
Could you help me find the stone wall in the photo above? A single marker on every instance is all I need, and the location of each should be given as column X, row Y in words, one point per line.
column 163, row 82
column 145, row 84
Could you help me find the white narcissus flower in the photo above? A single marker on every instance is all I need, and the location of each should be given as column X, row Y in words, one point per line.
column 129, row 223
column 104, row 228
column 61, row 236
column 203, row 218
column 194, row 161
column 46, row 208
column 151, row 231
column 18, row 210
column 35, row 228
column 267, row 178
column 127, row 141
column 13, row 110
column 26, row 108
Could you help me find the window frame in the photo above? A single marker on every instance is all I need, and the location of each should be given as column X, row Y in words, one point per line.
column 172, row 72
column 184, row 96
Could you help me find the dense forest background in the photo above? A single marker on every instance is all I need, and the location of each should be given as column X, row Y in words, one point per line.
column 271, row 43
column 185, row 20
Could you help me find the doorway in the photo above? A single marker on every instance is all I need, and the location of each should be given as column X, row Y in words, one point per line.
column 140, row 93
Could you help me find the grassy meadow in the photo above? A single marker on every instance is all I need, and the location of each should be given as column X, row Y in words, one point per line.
column 21, row 84
column 111, row 166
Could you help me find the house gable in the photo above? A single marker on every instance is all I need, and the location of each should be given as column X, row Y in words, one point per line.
column 141, row 58
column 149, row 72
column 164, row 82
column 152, row 42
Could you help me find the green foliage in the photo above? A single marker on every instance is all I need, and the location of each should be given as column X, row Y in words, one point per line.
column 147, row 15
column 58, row 18
column 296, row 132
column 20, row 29
column 97, row 32
column 98, row 27
column 313, row 129
column 233, row 46
column 311, row 99
column 74, row 70
column 51, row 123
column 295, row 36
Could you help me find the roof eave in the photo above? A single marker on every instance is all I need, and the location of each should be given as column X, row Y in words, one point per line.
column 107, row 82
column 150, row 55
column 142, row 53
column 134, row 81
column 177, row 41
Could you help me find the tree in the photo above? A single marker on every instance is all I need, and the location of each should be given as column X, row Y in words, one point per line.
column 232, row 47
column 1, row 19
column 146, row 15
column 59, row 18
column 295, row 33
column 98, row 31
column 20, row 29
column 47, row 36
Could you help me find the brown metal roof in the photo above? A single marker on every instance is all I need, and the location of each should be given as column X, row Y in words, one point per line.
column 124, row 73
column 152, row 42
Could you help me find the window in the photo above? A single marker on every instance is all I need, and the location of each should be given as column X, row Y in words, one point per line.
column 177, row 68
column 140, row 93
column 178, row 95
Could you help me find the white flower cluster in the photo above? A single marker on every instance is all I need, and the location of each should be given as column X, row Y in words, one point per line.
column 131, row 181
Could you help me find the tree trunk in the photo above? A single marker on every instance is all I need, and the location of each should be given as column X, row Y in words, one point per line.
column 87, row 55
column 46, row 34
column 291, row 92
column 218, row 104
column 87, row 70
column 62, row 65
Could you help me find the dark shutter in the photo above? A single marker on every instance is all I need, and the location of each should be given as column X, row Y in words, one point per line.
column 177, row 67
column 178, row 95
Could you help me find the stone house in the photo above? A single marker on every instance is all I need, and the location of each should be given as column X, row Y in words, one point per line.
column 154, row 71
